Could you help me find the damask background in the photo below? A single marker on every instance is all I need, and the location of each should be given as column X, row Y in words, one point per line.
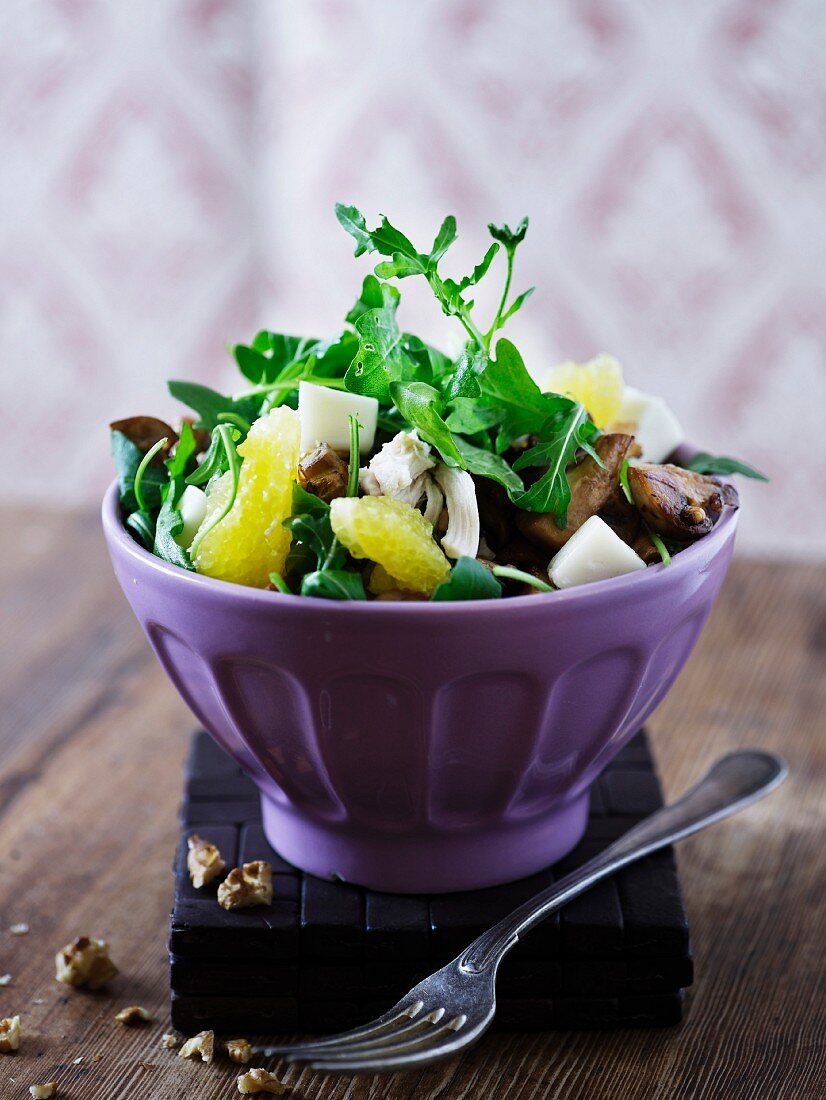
column 169, row 169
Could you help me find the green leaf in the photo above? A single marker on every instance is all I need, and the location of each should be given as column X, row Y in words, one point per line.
column 510, row 238
column 507, row 386
column 314, row 546
column 374, row 295
column 420, row 405
column 214, row 463
column 465, row 380
column 171, row 523
column 399, row 267
column 444, row 239
column 143, row 526
column 516, row 305
column 228, row 435
column 334, row 584
column 185, row 449
column 127, row 458
column 352, row 219
column 552, row 493
column 476, row 275
column 381, row 358
column 208, row 403
column 277, row 581
column 468, row 416
column 493, row 466
column 270, row 352
column 704, row 463
column 469, row 580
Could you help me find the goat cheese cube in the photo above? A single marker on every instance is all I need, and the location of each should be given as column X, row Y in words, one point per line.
column 593, row 553
column 193, row 508
column 325, row 413
column 653, row 424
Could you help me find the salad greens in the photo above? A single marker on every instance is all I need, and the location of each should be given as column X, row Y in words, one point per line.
column 481, row 412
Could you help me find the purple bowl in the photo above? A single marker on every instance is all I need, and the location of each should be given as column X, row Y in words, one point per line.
column 422, row 747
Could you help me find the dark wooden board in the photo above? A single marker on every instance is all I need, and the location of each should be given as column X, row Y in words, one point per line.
column 325, row 954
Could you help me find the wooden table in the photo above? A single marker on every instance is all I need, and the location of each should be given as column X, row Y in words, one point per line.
column 91, row 747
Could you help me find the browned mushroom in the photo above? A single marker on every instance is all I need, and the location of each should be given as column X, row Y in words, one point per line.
column 323, row 473
column 591, row 488
column 679, row 504
column 496, row 513
column 145, row 431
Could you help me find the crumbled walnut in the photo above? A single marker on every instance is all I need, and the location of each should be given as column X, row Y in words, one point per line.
column 203, row 861
column 258, row 1080
column 148, row 1065
column 85, row 962
column 5, row 979
column 247, row 885
column 200, row 1046
column 170, row 1041
column 9, row 1034
column 19, row 929
column 239, row 1050
column 132, row 1015
column 44, row 1092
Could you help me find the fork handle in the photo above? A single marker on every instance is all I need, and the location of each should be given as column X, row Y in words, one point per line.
column 731, row 783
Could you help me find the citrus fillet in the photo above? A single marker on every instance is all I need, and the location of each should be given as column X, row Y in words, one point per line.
column 395, row 536
column 598, row 384
column 249, row 543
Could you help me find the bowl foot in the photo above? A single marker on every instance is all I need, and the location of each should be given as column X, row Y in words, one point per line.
column 428, row 862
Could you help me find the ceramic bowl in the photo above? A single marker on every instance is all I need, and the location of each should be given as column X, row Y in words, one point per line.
column 422, row 747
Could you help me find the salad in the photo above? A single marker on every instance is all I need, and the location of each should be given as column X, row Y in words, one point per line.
column 372, row 466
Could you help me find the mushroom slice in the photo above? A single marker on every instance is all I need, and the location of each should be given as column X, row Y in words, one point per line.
column 591, row 488
column 461, row 540
column 679, row 504
column 145, row 431
column 323, row 473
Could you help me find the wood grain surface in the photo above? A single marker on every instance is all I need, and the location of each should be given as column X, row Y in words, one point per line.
column 91, row 747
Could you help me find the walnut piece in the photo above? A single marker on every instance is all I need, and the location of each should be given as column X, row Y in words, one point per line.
column 203, row 861
column 9, row 1034
column 169, row 1040
column 246, row 886
column 21, row 929
column 5, row 979
column 258, row 1080
column 85, row 962
column 44, row 1092
column 200, row 1046
column 238, row 1050
column 132, row 1015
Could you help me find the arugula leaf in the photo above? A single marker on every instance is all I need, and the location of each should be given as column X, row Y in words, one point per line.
column 493, row 466
column 214, row 463
column 374, row 295
column 469, row 580
column 444, row 239
column 353, row 469
column 464, row 381
column 381, row 358
column 139, row 473
column 420, row 405
column 227, row 435
column 334, row 584
column 314, row 545
column 704, row 463
column 352, row 219
column 476, row 275
column 128, row 457
column 551, row 493
column 507, row 386
column 208, row 403
column 170, row 521
column 516, row 305
column 278, row 582
column 510, row 238
column 264, row 360
column 141, row 523
column 468, row 416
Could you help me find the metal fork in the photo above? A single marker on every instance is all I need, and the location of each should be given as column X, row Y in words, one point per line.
column 452, row 1008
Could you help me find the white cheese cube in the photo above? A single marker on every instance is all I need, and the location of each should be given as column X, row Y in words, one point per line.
column 325, row 413
column 653, row 424
column 193, row 507
column 592, row 553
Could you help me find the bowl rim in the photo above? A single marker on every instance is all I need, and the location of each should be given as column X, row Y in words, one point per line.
column 688, row 559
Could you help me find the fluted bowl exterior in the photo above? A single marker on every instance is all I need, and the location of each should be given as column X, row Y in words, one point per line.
column 416, row 746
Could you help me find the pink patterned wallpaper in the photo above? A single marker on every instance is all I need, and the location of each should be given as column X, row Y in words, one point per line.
column 169, row 170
